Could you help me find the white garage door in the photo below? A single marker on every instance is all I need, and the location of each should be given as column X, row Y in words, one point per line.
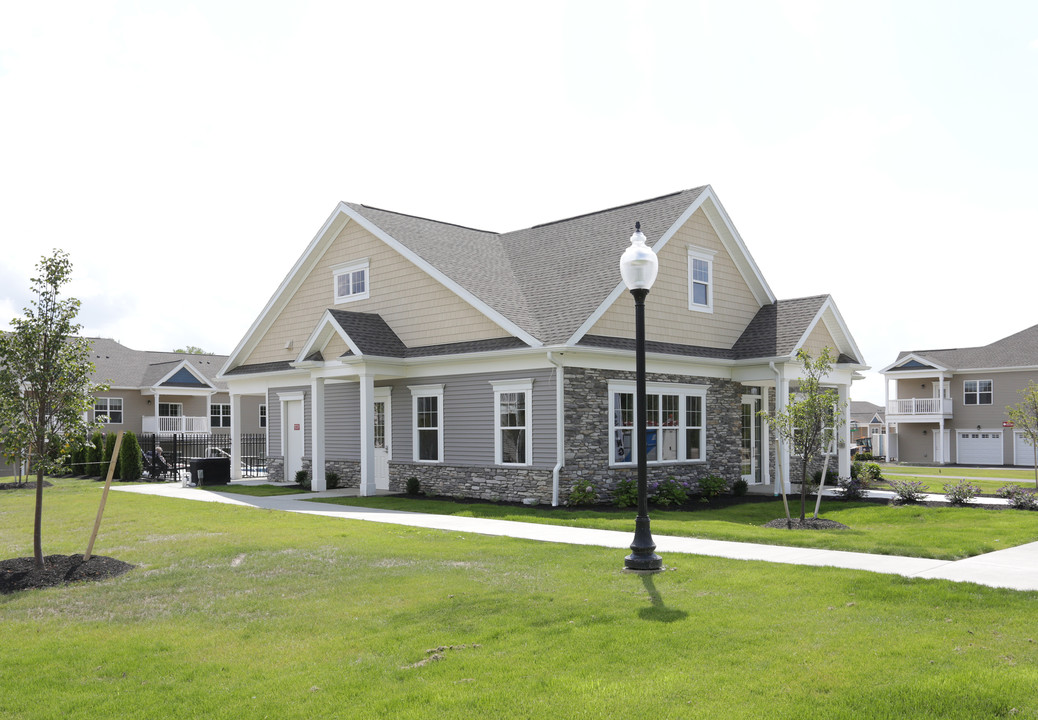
column 1023, row 450
column 979, row 448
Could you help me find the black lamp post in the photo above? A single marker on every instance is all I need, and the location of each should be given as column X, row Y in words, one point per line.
column 638, row 267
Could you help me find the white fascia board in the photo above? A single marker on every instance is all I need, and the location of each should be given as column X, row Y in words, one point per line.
column 919, row 359
column 731, row 240
column 830, row 317
column 252, row 385
column 321, row 334
column 496, row 317
column 331, row 228
column 176, row 369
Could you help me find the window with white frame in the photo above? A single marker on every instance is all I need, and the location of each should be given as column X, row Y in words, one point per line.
column 219, row 415
column 513, row 421
column 427, row 414
column 977, row 392
column 111, row 408
column 675, row 420
column 263, row 416
column 700, row 279
column 351, row 281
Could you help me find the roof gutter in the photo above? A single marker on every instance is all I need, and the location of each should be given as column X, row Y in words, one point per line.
column 560, row 427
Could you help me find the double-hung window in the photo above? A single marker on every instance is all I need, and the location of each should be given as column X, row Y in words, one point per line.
column 351, row 281
column 427, row 431
column 263, row 416
column 220, row 415
column 112, row 408
column 700, row 279
column 977, row 392
column 512, row 422
column 675, row 421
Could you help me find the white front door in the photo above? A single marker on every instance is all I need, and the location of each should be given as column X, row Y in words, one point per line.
column 941, row 446
column 383, row 438
column 293, row 434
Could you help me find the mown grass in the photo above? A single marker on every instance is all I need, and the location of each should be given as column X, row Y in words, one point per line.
column 932, row 532
column 256, row 490
column 989, row 480
column 235, row 612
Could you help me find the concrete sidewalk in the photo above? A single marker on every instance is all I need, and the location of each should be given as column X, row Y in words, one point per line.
column 1015, row 568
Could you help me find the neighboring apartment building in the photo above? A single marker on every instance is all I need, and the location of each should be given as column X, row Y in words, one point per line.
column 501, row 366
column 165, row 392
column 949, row 406
column 868, row 427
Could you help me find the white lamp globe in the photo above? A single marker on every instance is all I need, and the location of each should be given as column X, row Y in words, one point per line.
column 638, row 264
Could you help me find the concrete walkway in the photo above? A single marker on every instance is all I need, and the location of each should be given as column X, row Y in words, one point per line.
column 1015, row 568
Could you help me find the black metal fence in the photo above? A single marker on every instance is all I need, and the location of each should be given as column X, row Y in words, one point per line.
column 167, row 456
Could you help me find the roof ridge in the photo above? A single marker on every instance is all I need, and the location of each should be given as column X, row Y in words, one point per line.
column 438, row 222
column 605, row 210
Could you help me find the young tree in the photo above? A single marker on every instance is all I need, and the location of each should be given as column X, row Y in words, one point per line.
column 192, row 350
column 809, row 421
column 1025, row 419
column 45, row 387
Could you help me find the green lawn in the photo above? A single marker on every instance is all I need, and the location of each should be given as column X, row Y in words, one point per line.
column 256, row 490
column 240, row 613
column 945, row 532
column 989, row 480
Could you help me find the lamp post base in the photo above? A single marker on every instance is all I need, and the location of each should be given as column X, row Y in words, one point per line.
column 643, row 557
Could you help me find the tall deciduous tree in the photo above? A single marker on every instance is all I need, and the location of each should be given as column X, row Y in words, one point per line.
column 1025, row 419
column 45, row 386
column 809, row 421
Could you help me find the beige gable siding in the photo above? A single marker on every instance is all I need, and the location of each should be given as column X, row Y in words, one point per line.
column 667, row 315
column 821, row 338
column 335, row 348
column 418, row 308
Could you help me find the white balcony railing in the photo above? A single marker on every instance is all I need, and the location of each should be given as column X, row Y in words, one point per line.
column 151, row 424
column 920, row 406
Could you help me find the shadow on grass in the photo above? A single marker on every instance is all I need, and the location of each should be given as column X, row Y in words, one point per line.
column 657, row 610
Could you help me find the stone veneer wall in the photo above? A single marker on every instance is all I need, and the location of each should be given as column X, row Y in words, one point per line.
column 483, row 483
column 587, row 431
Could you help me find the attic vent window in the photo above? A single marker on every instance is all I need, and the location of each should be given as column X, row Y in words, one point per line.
column 350, row 281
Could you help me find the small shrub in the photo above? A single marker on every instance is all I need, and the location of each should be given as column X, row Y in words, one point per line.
column 626, row 493
column 853, row 488
column 78, row 460
column 413, row 486
column 908, row 491
column 961, row 492
column 712, row 486
column 1019, row 497
column 669, row 492
column 864, row 457
column 331, row 480
column 131, row 463
column 831, row 477
column 303, row 479
column 95, row 450
column 109, row 450
column 739, row 487
column 582, row 493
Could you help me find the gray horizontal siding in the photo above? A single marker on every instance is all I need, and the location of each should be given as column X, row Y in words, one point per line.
column 342, row 421
column 274, row 419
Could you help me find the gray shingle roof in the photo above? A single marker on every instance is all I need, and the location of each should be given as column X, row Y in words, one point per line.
column 370, row 333
column 1017, row 350
column 547, row 279
column 776, row 328
column 123, row 367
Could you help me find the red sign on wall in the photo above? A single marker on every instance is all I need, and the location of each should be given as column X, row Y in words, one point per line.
column 296, row 426
column 1007, row 423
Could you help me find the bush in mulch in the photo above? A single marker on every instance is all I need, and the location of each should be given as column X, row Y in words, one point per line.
column 31, row 485
column 807, row 524
column 20, row 574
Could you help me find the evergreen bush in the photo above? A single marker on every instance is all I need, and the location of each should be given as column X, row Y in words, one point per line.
column 131, row 462
column 303, row 479
column 739, row 487
column 95, row 452
column 331, row 480
column 413, row 486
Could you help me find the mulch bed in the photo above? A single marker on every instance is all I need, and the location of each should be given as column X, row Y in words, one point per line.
column 20, row 574
column 807, row 524
column 22, row 486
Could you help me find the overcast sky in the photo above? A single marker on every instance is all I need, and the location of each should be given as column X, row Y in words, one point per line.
column 185, row 153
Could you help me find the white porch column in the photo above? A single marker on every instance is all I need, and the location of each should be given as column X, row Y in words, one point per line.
column 844, row 437
column 317, row 479
column 765, row 439
column 367, row 435
column 235, row 436
column 781, row 402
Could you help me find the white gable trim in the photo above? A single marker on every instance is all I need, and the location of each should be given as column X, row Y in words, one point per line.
column 499, row 319
column 340, row 217
column 933, row 366
column 830, row 317
column 322, row 333
column 176, row 368
column 729, row 237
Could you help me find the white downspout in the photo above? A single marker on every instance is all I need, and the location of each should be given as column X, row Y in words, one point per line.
column 560, row 428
